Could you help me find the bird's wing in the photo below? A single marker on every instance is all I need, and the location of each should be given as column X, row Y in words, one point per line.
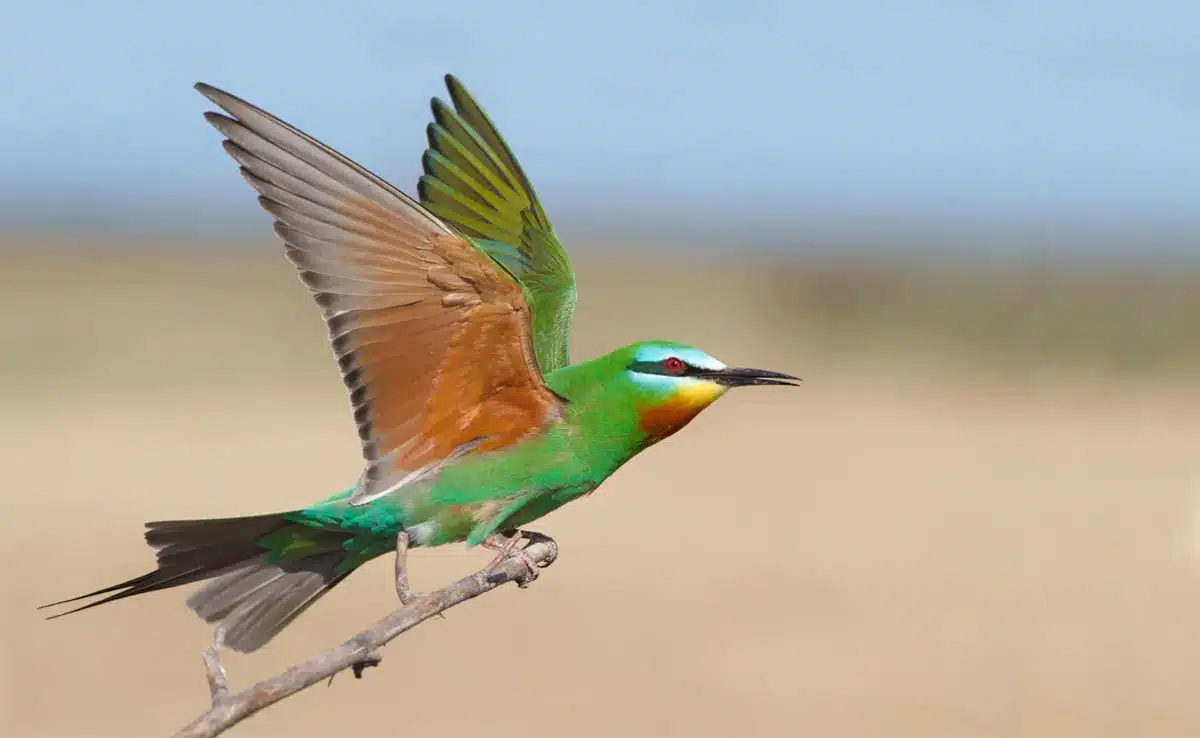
column 473, row 181
column 432, row 337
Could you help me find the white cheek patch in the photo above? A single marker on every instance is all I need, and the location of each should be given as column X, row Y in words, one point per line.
column 692, row 356
column 663, row 381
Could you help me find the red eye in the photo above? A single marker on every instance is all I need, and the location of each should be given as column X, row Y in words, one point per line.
column 673, row 365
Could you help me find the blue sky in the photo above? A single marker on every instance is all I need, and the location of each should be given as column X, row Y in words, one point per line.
column 981, row 111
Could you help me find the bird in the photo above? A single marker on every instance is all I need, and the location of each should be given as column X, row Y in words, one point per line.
column 449, row 316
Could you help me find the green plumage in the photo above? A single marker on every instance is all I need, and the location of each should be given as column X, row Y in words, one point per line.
column 266, row 570
column 473, row 182
column 270, row 568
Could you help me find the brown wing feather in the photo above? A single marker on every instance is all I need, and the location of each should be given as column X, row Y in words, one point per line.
column 433, row 339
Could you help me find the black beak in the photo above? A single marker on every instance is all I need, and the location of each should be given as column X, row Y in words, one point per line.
column 745, row 377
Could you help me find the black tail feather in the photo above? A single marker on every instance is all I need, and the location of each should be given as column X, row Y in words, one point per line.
column 253, row 598
column 130, row 584
column 188, row 551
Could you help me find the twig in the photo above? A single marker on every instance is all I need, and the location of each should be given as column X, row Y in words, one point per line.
column 360, row 651
column 218, row 680
column 403, row 591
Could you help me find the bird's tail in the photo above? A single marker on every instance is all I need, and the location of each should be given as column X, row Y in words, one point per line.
column 265, row 569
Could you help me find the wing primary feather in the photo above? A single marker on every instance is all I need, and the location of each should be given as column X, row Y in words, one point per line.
column 410, row 304
column 442, row 168
column 471, row 111
column 466, row 206
column 469, row 161
column 450, row 128
column 320, row 156
column 444, row 141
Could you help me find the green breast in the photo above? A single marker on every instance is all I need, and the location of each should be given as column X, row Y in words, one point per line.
column 480, row 493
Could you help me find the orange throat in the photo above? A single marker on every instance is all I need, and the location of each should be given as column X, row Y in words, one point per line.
column 663, row 418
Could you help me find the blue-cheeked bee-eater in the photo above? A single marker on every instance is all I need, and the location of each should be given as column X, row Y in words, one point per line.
column 449, row 318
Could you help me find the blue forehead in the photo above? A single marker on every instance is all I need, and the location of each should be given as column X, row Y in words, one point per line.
column 693, row 356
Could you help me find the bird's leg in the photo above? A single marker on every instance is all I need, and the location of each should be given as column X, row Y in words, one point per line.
column 403, row 591
column 504, row 543
column 508, row 544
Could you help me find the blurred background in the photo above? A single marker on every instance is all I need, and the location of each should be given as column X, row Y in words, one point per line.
column 972, row 227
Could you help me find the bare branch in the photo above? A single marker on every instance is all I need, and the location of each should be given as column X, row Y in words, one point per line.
column 218, row 680
column 403, row 591
column 361, row 651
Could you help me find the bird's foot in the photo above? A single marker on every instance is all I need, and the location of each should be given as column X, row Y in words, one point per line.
column 503, row 544
column 509, row 546
column 532, row 537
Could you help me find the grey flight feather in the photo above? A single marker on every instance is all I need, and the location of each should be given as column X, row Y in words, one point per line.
column 257, row 600
column 329, row 210
column 252, row 598
column 314, row 155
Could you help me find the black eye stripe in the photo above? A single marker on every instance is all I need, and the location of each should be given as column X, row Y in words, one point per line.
column 659, row 367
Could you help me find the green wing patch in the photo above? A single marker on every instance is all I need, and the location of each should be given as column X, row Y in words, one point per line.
column 473, row 182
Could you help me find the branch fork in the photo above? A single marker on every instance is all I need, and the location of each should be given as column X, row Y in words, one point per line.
column 520, row 564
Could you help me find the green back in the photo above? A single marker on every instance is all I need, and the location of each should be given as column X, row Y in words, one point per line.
column 473, row 182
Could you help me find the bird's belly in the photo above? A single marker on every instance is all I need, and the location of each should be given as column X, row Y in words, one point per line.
column 442, row 524
column 545, row 503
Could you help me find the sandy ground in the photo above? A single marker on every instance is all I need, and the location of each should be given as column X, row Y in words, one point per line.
column 903, row 547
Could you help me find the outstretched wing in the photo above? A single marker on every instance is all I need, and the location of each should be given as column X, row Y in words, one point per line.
column 432, row 337
column 473, row 181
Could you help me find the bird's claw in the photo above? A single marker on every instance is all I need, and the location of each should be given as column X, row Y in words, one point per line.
column 531, row 569
column 509, row 547
column 532, row 537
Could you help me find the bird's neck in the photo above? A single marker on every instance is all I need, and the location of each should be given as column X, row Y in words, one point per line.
column 614, row 420
column 600, row 424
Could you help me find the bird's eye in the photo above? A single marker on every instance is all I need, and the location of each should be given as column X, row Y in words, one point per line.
column 673, row 365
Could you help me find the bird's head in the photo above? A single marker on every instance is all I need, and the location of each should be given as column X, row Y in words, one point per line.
column 672, row 383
